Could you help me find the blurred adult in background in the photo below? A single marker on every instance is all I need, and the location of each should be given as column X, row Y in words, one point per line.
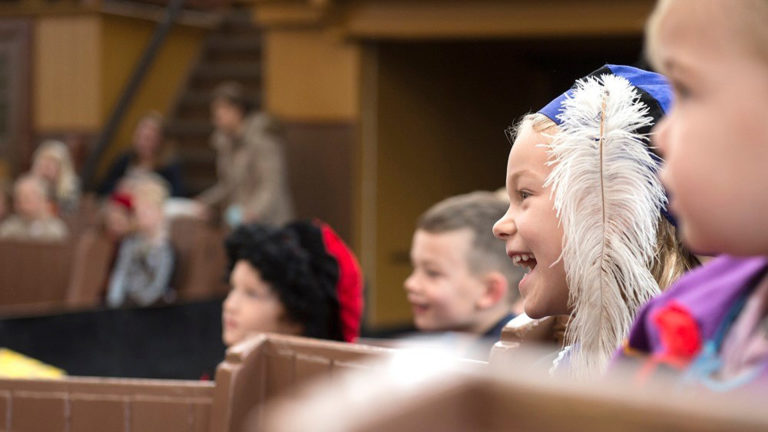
column 149, row 153
column 33, row 218
column 251, row 169
column 53, row 163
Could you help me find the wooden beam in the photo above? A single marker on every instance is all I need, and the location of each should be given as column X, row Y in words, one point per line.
column 432, row 19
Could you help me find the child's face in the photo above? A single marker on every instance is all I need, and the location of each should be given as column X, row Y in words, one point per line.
column 149, row 215
column 442, row 290
column 47, row 167
column 252, row 307
column 715, row 138
column 531, row 228
column 28, row 200
column 118, row 220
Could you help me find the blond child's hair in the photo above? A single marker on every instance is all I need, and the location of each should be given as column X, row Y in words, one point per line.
column 149, row 186
column 747, row 19
column 67, row 185
column 672, row 258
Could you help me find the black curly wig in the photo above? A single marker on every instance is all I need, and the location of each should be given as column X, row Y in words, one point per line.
column 293, row 261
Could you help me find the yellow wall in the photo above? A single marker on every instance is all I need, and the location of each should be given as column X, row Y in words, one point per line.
column 82, row 62
column 67, row 73
column 311, row 75
column 124, row 40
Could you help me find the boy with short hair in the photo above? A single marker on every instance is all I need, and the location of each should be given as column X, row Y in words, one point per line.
column 462, row 280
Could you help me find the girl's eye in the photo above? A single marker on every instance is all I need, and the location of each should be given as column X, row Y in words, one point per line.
column 523, row 194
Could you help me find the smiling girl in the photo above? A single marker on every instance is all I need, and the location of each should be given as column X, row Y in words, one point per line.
column 587, row 212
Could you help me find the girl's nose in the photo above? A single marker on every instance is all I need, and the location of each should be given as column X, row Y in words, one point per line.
column 505, row 227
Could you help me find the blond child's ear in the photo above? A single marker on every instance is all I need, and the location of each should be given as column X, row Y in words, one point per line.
column 495, row 290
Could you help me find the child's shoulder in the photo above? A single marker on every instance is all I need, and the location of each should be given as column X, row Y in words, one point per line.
column 704, row 295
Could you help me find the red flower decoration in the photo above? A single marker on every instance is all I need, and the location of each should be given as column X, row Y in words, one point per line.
column 680, row 335
column 680, row 340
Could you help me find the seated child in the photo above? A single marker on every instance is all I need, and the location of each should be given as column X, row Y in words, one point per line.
column 300, row 279
column 96, row 250
column 712, row 322
column 145, row 260
column 462, row 281
column 587, row 216
column 53, row 163
column 33, row 218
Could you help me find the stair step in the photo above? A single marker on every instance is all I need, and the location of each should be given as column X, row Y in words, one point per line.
column 229, row 70
column 184, row 128
column 235, row 42
column 238, row 19
column 202, row 98
column 198, row 156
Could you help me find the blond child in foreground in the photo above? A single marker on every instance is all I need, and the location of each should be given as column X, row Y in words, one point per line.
column 712, row 323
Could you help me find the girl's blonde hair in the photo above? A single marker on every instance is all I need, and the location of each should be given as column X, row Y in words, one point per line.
column 672, row 258
column 746, row 18
column 67, row 186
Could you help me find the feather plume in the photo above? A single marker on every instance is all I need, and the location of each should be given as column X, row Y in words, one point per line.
column 608, row 197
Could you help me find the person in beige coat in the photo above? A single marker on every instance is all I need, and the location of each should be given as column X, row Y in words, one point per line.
column 252, row 185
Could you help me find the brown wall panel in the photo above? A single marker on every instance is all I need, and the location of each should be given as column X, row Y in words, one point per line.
column 320, row 159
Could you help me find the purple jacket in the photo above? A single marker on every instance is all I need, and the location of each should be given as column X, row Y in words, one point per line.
column 708, row 293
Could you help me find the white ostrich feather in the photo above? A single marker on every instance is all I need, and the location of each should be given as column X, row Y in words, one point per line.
column 608, row 198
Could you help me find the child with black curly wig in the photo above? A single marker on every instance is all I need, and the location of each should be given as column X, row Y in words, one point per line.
column 300, row 279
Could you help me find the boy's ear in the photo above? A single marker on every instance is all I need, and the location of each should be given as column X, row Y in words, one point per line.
column 495, row 290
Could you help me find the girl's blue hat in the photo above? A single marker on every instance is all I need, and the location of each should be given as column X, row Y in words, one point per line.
column 654, row 91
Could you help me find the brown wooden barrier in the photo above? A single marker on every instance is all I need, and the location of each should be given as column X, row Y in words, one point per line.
column 34, row 272
column 512, row 400
column 200, row 259
column 253, row 373
column 75, row 273
column 100, row 404
column 270, row 366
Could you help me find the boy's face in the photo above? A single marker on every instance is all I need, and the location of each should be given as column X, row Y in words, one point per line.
column 715, row 138
column 530, row 227
column 252, row 307
column 149, row 215
column 442, row 290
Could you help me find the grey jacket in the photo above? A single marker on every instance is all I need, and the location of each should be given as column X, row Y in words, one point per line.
column 251, row 173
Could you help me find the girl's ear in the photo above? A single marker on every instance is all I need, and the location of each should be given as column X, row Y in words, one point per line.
column 495, row 288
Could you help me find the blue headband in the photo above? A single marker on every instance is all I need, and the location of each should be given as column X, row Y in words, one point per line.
column 654, row 90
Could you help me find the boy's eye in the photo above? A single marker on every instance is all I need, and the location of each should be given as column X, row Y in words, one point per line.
column 682, row 91
column 432, row 273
